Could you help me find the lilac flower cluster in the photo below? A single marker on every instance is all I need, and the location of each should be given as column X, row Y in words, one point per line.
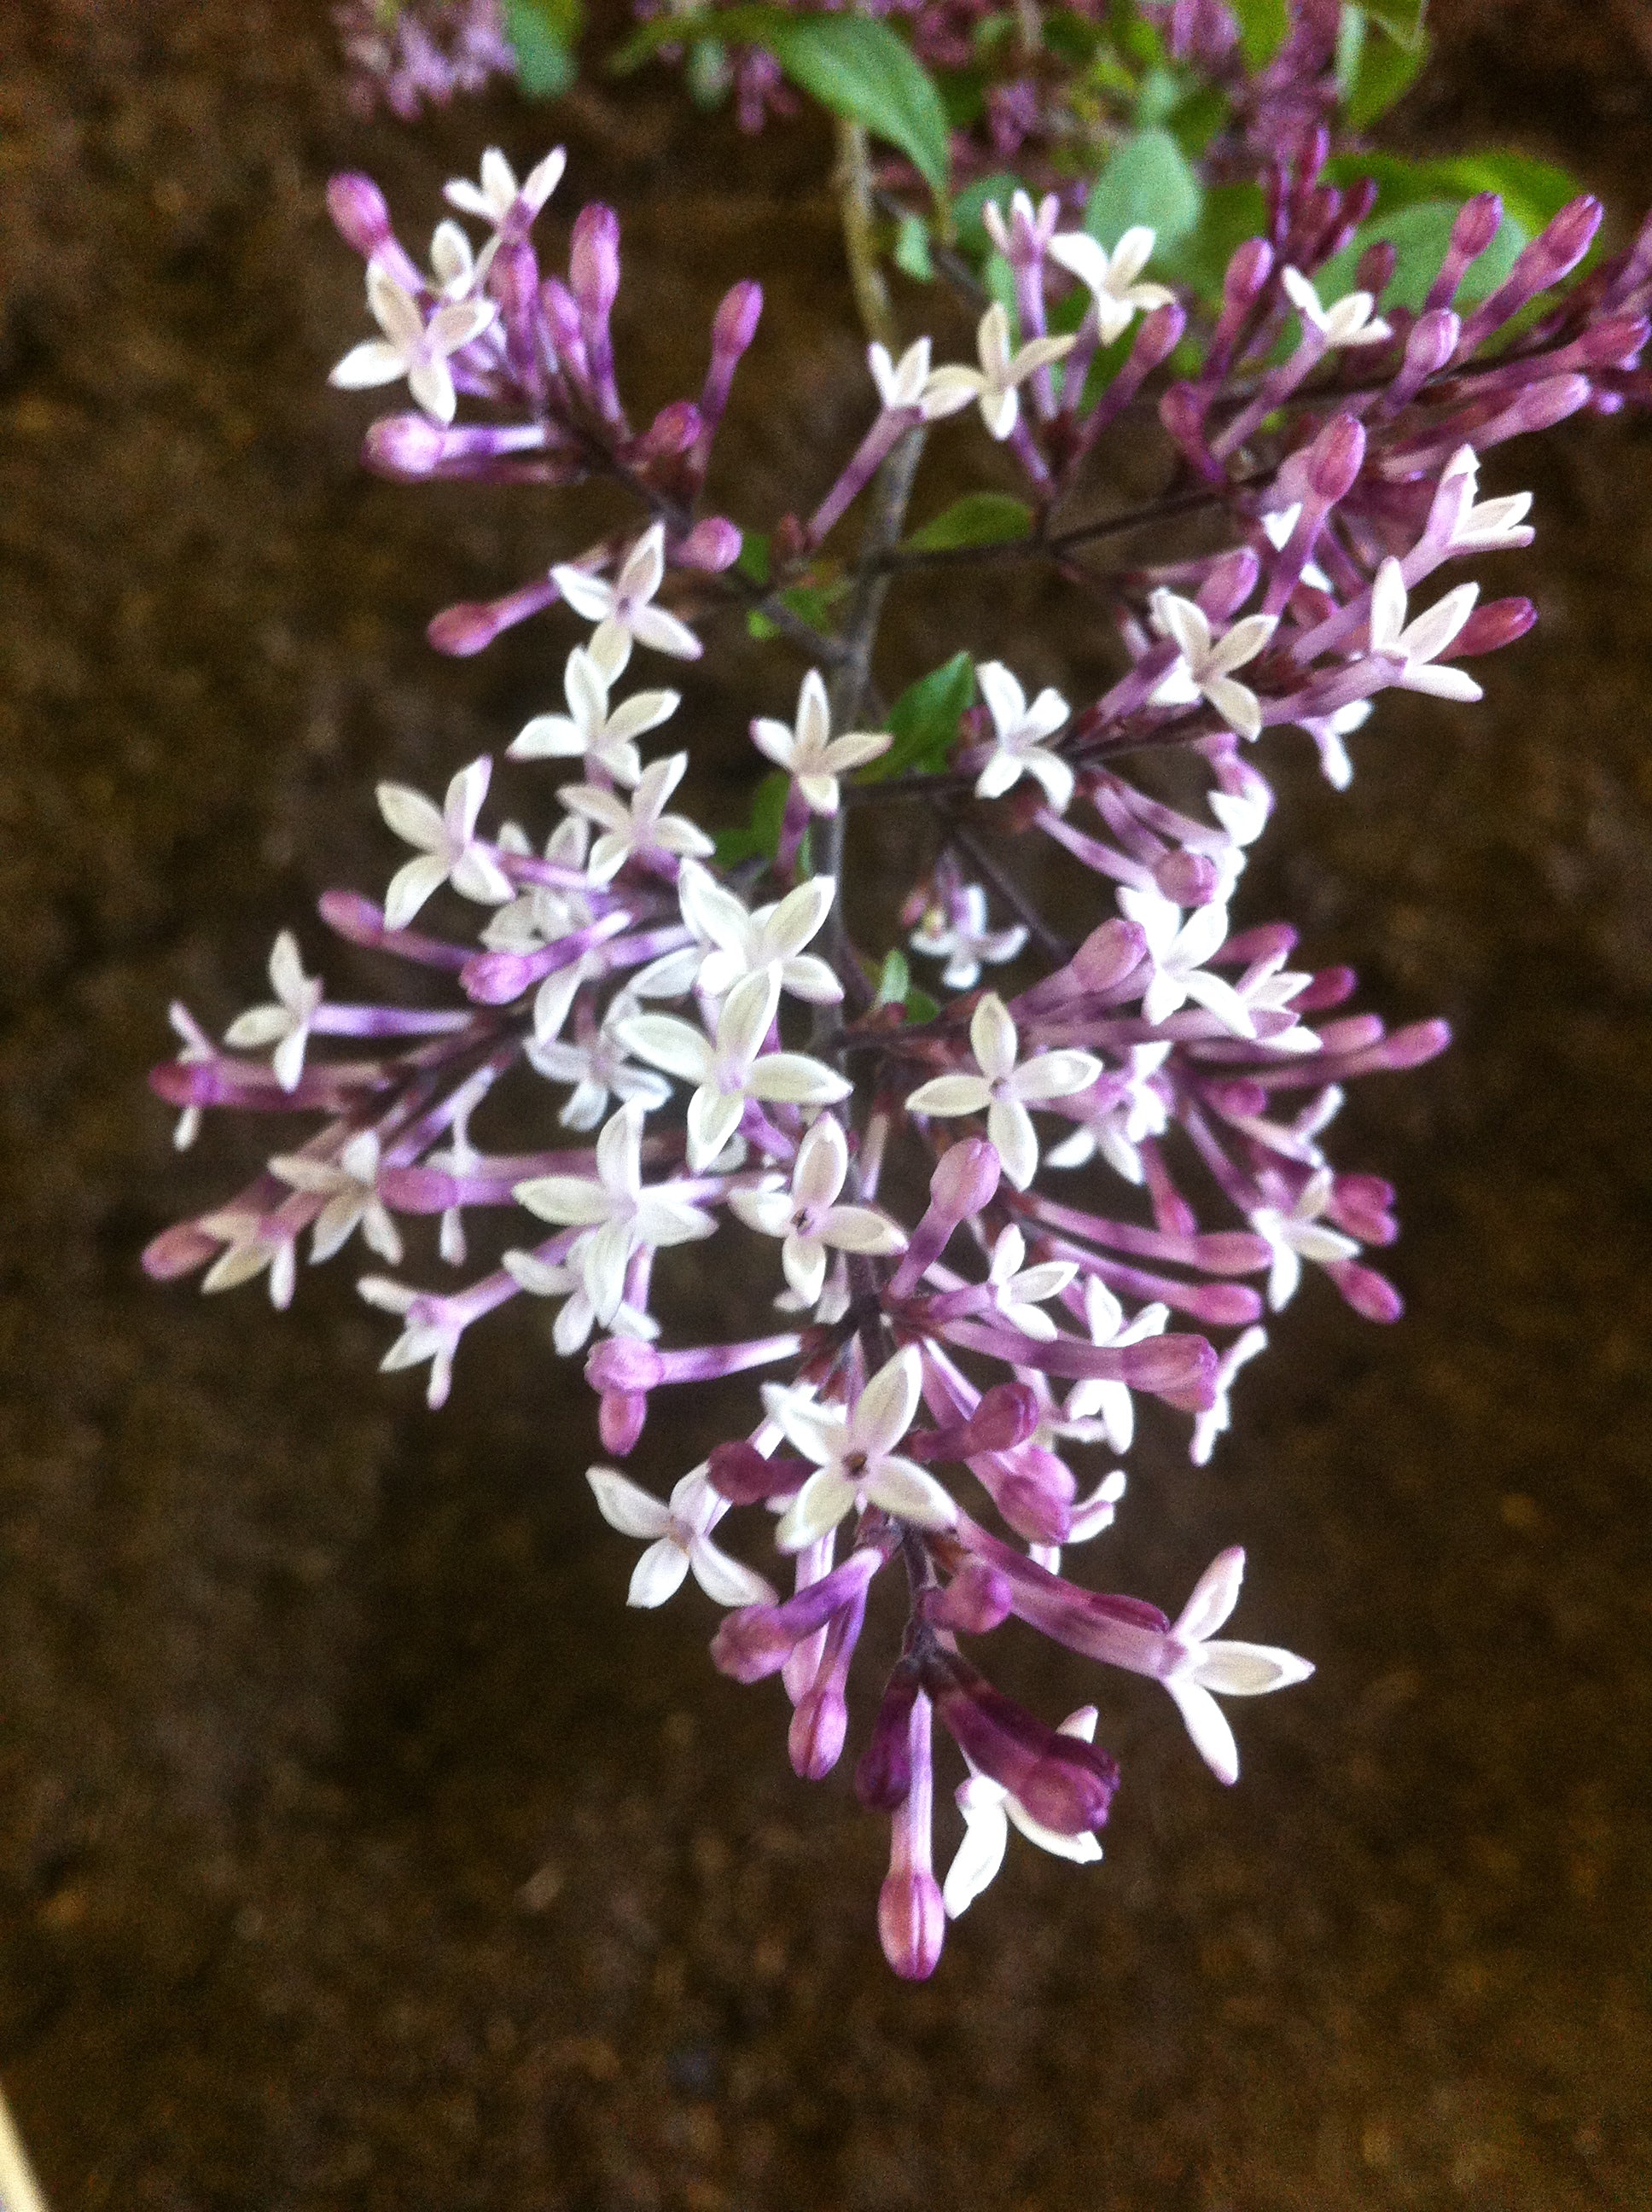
column 1122, row 1138
column 406, row 54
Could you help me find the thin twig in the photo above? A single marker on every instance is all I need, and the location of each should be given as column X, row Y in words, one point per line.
column 1059, row 949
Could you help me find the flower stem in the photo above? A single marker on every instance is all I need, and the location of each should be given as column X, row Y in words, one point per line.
column 858, row 209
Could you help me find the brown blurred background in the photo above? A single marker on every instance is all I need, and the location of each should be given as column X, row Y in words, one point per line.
column 356, row 1847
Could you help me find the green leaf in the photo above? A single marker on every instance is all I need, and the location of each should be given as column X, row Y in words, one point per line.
column 912, row 249
column 1533, row 191
column 1230, row 213
column 1148, row 181
column 1262, row 28
column 971, row 231
column 752, row 560
column 980, row 518
column 1400, row 19
column 920, row 1007
column 1420, row 234
column 810, row 603
column 894, row 981
column 1373, row 69
column 925, row 720
column 762, row 835
column 543, row 35
column 851, row 65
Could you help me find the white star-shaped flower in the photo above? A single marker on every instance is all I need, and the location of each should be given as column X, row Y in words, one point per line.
column 1111, row 279
column 988, row 1811
column 410, row 347
column 678, row 1539
column 809, row 754
column 622, row 1216
column 624, row 610
column 1206, row 668
column 1003, row 1090
column 196, row 1050
column 1296, row 1232
column 589, row 730
column 250, row 1247
column 446, row 837
column 1026, row 234
column 1348, row 321
column 286, row 1024
column 1019, row 735
column 856, row 1464
column 1178, row 950
column 733, row 1067
column 1487, row 526
column 350, row 1186
column 576, row 1317
column 959, row 935
column 456, row 271
column 1203, row 1669
column 1417, row 645
column 641, row 829
column 492, row 200
column 809, row 1216
column 1106, row 1402
column 1136, row 1112
column 742, row 943
column 901, row 384
column 1217, row 1417
column 992, row 387
column 1016, row 1293
column 597, row 1067
column 433, row 1330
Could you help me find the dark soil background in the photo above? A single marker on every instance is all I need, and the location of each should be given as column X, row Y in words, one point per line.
column 356, row 1847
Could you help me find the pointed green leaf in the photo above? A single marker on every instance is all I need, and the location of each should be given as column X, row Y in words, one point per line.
column 925, row 720
column 762, row 835
column 1402, row 18
column 1262, row 28
column 980, row 518
column 543, row 35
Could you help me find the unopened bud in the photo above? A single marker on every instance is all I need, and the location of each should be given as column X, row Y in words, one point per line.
column 1336, row 457
column 621, row 1416
column 593, row 261
column 966, row 1179
column 622, row 1363
column 359, row 212
column 403, row 447
column 712, row 545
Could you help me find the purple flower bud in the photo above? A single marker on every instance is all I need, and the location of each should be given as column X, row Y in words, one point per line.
column 672, row 431
column 965, row 1179
column 1249, row 269
column 1489, row 628
column 593, row 262
column 711, row 546
column 739, row 1473
column 622, row 1363
column 1479, row 221
column 562, row 312
column 621, row 1417
column 1062, row 1781
column 1373, row 272
column 1108, row 954
column 1186, row 878
column 1331, row 986
column 735, row 323
column 1229, row 582
column 814, row 1740
column 883, row 1774
column 911, row 1922
column 359, row 211
column 975, row 1602
column 911, row 1914
column 1370, row 1294
column 465, row 629
column 404, row 447
column 177, row 1250
column 1336, row 457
